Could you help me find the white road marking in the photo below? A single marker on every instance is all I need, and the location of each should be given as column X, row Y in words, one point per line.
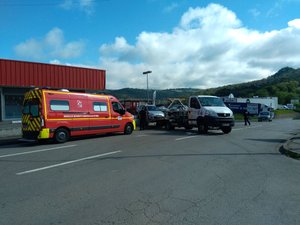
column 66, row 163
column 183, row 138
column 247, row 127
column 35, row 151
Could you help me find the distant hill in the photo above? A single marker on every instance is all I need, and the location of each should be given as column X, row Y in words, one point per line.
column 141, row 94
column 285, row 84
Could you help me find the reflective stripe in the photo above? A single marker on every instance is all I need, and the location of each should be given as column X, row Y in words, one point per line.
column 44, row 133
column 134, row 124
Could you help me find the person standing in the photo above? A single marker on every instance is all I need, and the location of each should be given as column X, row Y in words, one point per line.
column 246, row 117
column 143, row 118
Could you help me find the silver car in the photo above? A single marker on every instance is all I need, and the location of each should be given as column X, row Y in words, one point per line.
column 265, row 116
column 154, row 114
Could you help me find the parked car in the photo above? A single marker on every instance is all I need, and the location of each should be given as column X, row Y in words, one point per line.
column 265, row 116
column 154, row 114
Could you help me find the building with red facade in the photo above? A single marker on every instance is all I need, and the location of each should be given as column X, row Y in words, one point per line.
column 17, row 77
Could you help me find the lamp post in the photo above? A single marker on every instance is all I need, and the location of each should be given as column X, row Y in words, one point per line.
column 147, row 72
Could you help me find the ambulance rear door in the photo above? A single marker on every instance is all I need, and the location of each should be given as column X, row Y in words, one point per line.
column 32, row 114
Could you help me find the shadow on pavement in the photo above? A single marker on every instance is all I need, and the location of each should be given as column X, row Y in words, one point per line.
column 267, row 140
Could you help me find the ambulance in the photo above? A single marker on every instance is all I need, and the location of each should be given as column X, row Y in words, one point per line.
column 60, row 114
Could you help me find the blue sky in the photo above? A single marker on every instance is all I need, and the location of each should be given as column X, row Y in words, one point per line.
column 185, row 43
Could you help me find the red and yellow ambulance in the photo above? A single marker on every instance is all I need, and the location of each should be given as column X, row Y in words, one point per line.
column 60, row 114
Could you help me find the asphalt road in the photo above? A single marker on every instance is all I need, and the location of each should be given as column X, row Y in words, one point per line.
column 154, row 177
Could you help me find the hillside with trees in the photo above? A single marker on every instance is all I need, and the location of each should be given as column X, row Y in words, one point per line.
column 285, row 84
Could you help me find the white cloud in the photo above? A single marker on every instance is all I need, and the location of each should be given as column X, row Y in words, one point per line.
column 254, row 12
column 170, row 8
column 30, row 48
column 210, row 47
column 213, row 16
column 294, row 23
column 52, row 45
column 274, row 11
column 85, row 5
column 67, row 4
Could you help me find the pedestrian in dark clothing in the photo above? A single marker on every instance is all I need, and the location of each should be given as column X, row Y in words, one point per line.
column 143, row 118
column 246, row 118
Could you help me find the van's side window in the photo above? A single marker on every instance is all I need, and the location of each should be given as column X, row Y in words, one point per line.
column 116, row 106
column 59, row 105
column 100, row 106
column 195, row 103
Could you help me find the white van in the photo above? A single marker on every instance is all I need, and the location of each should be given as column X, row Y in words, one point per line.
column 209, row 112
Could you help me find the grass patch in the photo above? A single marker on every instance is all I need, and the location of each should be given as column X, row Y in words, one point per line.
column 284, row 112
column 279, row 113
column 240, row 117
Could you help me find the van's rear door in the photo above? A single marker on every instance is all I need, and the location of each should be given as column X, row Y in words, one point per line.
column 31, row 115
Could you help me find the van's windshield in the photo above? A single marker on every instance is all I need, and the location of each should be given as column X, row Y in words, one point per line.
column 31, row 108
column 211, row 101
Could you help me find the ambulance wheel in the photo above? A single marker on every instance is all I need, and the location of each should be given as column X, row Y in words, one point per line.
column 61, row 135
column 128, row 128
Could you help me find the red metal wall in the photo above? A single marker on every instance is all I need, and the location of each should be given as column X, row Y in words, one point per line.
column 27, row 74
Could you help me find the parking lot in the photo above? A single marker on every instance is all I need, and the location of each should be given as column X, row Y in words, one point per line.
column 154, row 176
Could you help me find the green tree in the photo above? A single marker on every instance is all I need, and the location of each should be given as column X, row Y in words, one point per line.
column 263, row 92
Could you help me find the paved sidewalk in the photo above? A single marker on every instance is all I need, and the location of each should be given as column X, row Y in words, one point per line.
column 292, row 147
column 9, row 140
column 10, row 132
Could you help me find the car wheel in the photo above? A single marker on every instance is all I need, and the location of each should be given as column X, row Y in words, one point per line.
column 169, row 126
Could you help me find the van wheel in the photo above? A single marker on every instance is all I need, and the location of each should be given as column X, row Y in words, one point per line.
column 128, row 128
column 202, row 129
column 61, row 135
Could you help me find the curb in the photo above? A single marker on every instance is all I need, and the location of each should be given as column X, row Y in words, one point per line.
column 9, row 140
column 287, row 151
